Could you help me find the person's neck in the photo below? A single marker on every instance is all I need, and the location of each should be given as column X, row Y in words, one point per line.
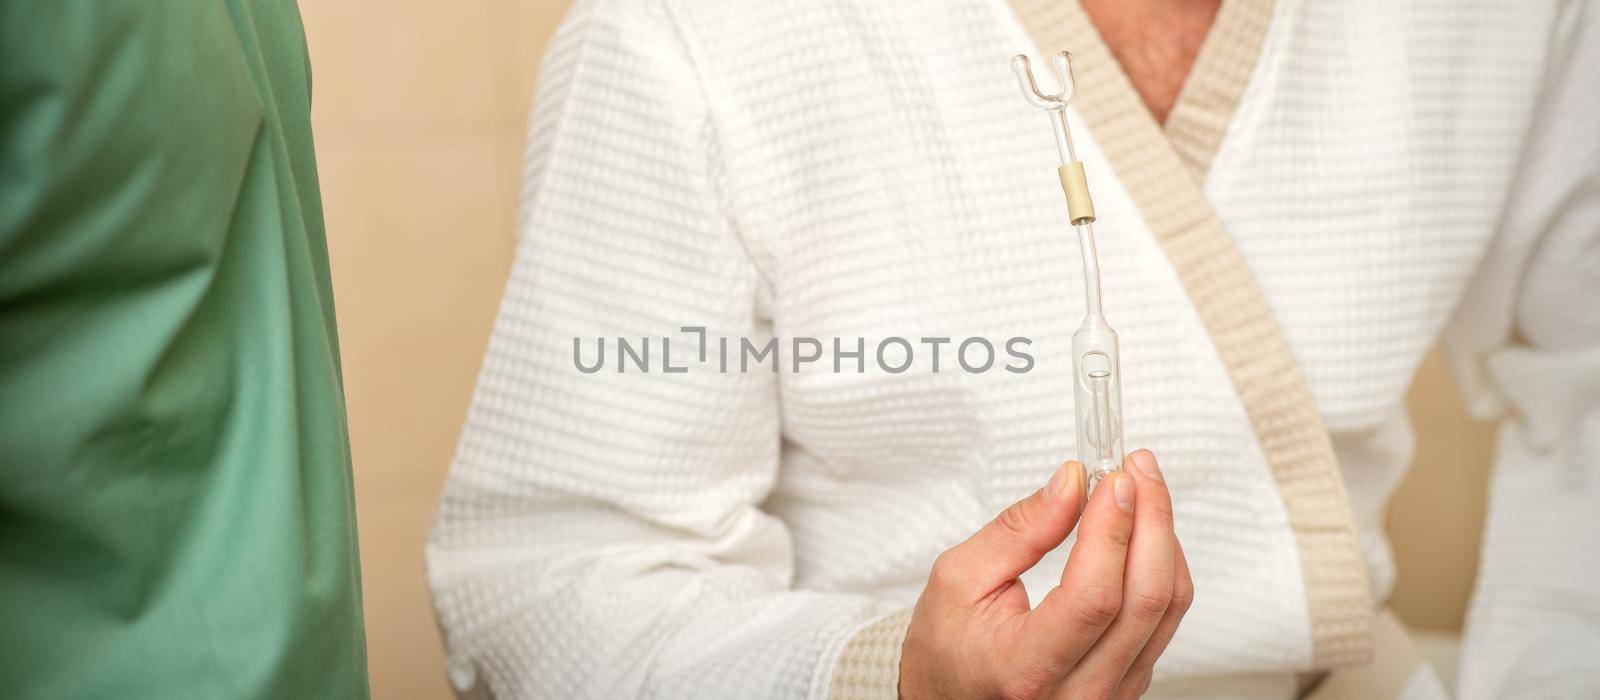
column 1155, row 41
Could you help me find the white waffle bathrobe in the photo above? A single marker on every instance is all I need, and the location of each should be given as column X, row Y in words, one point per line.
column 1386, row 173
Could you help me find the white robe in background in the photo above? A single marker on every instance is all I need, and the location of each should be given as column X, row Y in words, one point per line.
column 1392, row 173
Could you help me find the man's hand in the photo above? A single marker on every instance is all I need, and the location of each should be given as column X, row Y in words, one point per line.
column 1097, row 635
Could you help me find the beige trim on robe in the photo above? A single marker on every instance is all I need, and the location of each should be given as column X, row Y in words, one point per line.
column 1391, row 671
column 1216, row 81
column 868, row 667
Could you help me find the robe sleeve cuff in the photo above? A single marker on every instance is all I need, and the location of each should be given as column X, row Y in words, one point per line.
column 868, row 667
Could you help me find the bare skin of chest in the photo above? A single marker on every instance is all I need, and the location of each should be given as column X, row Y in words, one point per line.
column 1155, row 41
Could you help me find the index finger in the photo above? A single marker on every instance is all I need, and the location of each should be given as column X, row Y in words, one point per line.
column 1072, row 616
column 1147, row 586
column 1019, row 537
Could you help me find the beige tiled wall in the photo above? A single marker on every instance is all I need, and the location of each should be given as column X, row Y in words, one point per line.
column 1436, row 517
column 419, row 109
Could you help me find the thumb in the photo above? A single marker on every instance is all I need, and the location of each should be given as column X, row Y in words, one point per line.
column 1022, row 534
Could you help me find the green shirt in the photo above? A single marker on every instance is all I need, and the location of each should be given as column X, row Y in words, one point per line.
column 176, row 515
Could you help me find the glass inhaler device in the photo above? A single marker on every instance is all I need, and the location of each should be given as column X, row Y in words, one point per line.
column 1096, row 372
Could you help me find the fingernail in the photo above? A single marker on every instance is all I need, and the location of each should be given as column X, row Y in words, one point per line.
column 1066, row 475
column 1146, row 462
column 1123, row 490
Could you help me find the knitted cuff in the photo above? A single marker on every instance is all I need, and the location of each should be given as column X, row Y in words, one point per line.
column 868, row 667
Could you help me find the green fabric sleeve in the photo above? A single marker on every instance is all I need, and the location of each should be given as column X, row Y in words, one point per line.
column 176, row 512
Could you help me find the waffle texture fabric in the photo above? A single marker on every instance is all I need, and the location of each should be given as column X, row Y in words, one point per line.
column 847, row 169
